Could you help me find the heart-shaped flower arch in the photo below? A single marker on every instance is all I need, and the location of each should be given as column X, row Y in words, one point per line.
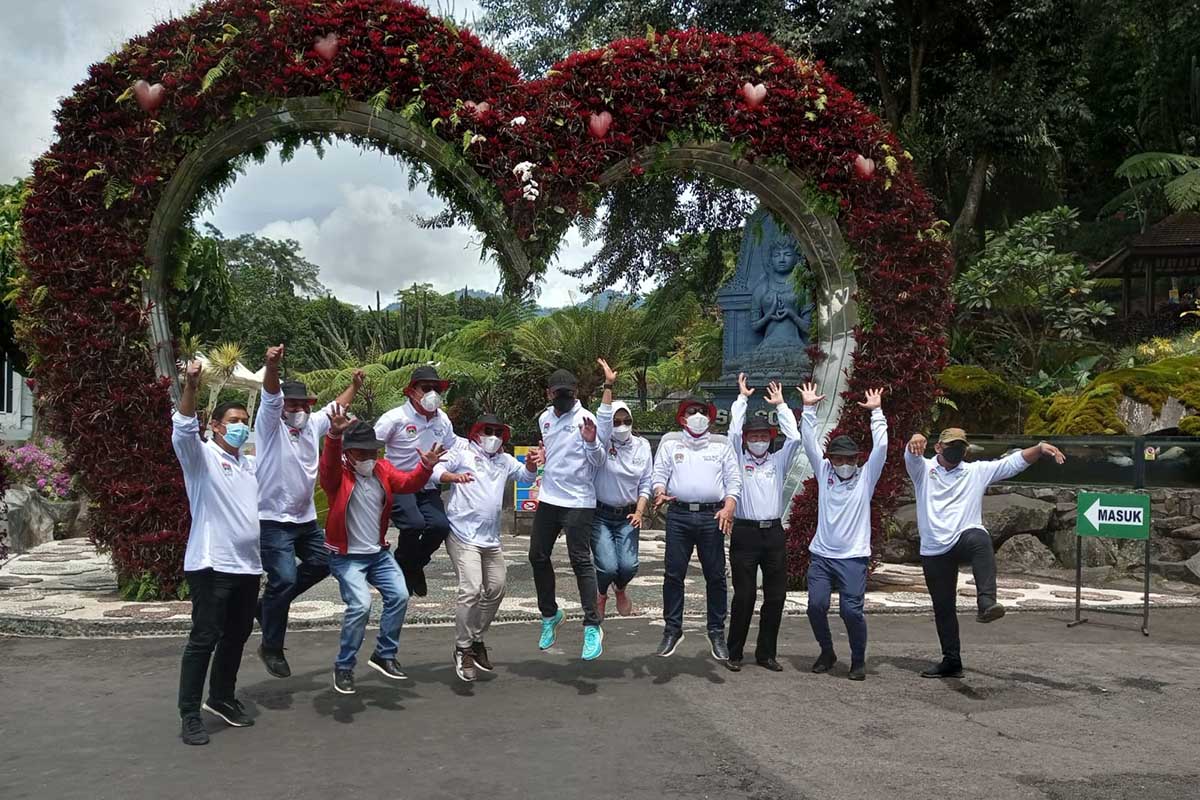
column 521, row 159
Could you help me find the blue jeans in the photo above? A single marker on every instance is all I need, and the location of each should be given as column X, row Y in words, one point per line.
column 688, row 530
column 421, row 520
column 614, row 551
column 281, row 544
column 849, row 577
column 355, row 574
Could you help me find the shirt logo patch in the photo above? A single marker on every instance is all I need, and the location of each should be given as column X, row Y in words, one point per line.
column 546, row 426
column 411, row 430
column 679, row 458
column 227, row 468
column 750, row 468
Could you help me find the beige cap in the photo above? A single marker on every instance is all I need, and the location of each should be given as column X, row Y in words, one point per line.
column 952, row 435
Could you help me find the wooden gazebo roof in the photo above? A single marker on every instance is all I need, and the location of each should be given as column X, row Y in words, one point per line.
column 1172, row 246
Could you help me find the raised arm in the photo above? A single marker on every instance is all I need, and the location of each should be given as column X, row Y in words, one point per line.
column 346, row 398
column 879, row 435
column 914, row 457
column 737, row 413
column 329, row 468
column 1016, row 462
column 270, row 405
column 604, row 414
column 787, row 426
column 185, row 428
column 808, row 426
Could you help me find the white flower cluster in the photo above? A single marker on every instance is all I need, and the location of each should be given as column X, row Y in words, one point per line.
column 524, row 173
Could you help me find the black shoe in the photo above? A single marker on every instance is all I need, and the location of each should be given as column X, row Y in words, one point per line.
column 734, row 665
column 769, row 663
column 343, row 681
column 944, row 669
column 415, row 578
column 990, row 614
column 275, row 662
column 388, row 667
column 720, row 650
column 232, row 711
column 670, row 641
column 481, row 657
column 824, row 662
column 858, row 672
column 193, row 731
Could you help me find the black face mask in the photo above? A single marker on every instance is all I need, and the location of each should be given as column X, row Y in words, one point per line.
column 564, row 402
column 954, row 453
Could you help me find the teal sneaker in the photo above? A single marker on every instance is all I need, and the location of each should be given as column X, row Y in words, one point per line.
column 593, row 642
column 550, row 630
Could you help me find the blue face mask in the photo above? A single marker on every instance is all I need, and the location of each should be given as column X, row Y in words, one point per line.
column 236, row 433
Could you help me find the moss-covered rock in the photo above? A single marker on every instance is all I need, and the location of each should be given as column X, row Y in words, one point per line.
column 1190, row 426
column 985, row 401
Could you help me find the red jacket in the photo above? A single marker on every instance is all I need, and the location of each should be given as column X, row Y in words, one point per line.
column 337, row 480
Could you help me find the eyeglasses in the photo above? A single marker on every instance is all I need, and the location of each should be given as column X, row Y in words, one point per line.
column 492, row 430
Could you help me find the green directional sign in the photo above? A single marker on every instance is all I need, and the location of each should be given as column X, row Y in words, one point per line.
column 1119, row 516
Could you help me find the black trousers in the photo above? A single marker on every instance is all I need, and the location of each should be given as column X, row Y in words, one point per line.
column 973, row 547
column 223, row 606
column 752, row 547
column 548, row 522
column 421, row 520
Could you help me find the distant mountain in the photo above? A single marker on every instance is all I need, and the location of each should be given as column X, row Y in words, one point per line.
column 600, row 301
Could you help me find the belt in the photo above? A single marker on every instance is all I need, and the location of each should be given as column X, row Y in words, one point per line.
column 623, row 511
column 757, row 523
column 681, row 506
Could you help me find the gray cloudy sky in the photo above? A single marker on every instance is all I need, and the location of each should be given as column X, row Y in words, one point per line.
column 351, row 212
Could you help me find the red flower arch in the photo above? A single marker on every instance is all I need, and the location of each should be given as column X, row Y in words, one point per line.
column 541, row 145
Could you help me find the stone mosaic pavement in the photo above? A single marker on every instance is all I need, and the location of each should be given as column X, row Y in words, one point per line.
column 64, row 589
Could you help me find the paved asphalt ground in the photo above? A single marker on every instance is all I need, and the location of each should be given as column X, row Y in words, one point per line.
column 1043, row 712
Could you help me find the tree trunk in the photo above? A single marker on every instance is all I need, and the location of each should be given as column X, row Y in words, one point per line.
column 969, row 212
column 916, row 59
column 891, row 105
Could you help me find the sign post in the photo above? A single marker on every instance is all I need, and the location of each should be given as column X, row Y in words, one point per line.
column 1111, row 516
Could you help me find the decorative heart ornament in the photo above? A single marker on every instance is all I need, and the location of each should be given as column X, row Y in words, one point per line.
column 754, row 94
column 150, row 98
column 327, row 46
column 864, row 167
column 599, row 124
column 477, row 109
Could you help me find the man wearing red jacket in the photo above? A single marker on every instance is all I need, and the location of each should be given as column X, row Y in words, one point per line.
column 360, row 487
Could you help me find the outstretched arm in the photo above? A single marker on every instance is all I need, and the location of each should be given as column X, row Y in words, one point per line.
column 737, row 413
column 808, row 426
column 346, row 398
column 914, row 457
column 879, row 435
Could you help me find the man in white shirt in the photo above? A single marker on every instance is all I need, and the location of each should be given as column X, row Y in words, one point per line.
column 949, row 496
column 482, row 471
column 840, row 552
column 222, row 564
column 571, row 455
column 407, row 430
column 758, row 539
column 287, row 443
column 696, row 475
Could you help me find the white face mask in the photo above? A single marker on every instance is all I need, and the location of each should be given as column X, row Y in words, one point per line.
column 758, row 448
column 623, row 433
column 295, row 419
column 698, row 423
column 431, row 401
column 491, row 444
column 365, row 468
column 845, row 471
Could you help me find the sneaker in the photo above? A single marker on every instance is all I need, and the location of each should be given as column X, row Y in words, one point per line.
column 601, row 604
column 858, row 672
column 343, row 681
column 944, row 669
column 192, row 730
column 464, row 664
column 232, row 711
column 415, row 578
column 624, row 604
column 274, row 661
column 990, row 614
column 824, row 662
column 734, row 665
column 769, row 663
column 388, row 667
column 670, row 641
column 593, row 642
column 550, row 630
column 480, row 654
column 720, row 651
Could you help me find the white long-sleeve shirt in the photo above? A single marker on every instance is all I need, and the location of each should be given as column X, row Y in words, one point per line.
column 406, row 432
column 569, row 475
column 950, row 501
column 696, row 470
column 222, row 495
column 762, row 497
column 624, row 475
column 474, row 508
column 844, row 507
column 286, row 461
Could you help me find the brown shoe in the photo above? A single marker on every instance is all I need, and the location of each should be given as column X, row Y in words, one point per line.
column 464, row 664
column 480, row 654
column 624, row 604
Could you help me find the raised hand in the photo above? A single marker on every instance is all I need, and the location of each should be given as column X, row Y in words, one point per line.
column 432, row 456
column 194, row 370
column 275, row 355
column 359, row 379
column 610, row 376
column 745, row 390
column 874, row 399
column 588, row 431
column 774, row 394
column 1052, row 451
column 724, row 519
column 916, row 445
column 339, row 420
column 808, row 393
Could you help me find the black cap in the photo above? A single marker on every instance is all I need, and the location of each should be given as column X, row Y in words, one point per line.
column 842, row 446
column 756, row 424
column 427, row 373
column 562, row 379
column 296, row 390
column 360, row 436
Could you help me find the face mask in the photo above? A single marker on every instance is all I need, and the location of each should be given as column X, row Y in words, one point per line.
column 698, row 423
column 953, row 453
column 564, row 402
column 845, row 471
column 623, row 433
column 295, row 419
column 236, row 434
column 758, row 448
column 491, row 444
column 365, row 468
column 431, row 401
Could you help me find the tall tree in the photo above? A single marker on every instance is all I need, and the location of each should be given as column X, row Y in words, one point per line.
column 12, row 200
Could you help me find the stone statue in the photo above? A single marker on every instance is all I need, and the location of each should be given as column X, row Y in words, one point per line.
column 777, row 314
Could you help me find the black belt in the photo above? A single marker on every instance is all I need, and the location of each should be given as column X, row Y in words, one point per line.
column 757, row 523
column 679, row 505
column 623, row 511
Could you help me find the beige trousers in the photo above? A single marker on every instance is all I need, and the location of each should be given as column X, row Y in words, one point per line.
column 481, row 576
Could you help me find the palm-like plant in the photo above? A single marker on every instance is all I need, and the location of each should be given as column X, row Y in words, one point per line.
column 1175, row 174
column 575, row 337
column 222, row 361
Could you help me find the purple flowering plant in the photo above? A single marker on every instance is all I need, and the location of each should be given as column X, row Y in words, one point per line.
column 41, row 466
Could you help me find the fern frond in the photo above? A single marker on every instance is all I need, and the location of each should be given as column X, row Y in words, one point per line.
column 1156, row 165
column 1183, row 193
column 223, row 68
